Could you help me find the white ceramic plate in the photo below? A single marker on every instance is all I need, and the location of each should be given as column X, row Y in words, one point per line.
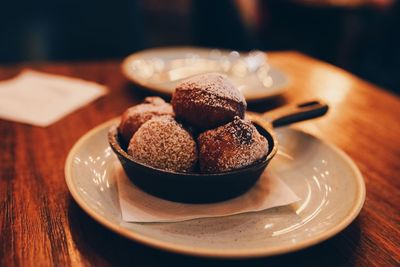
column 330, row 186
column 160, row 69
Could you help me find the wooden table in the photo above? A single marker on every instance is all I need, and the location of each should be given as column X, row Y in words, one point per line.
column 40, row 224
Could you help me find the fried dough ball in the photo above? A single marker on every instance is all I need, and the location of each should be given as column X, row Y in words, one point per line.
column 207, row 101
column 232, row 146
column 164, row 144
column 135, row 116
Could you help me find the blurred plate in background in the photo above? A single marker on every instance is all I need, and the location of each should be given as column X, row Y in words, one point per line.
column 160, row 69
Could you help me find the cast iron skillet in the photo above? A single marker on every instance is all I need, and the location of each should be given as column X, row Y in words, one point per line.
column 206, row 188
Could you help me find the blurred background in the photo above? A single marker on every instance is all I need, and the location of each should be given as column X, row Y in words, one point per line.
column 361, row 36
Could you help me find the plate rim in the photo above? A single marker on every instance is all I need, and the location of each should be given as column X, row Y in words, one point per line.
column 205, row 252
column 158, row 89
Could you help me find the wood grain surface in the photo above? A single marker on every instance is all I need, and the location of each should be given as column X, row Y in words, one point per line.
column 40, row 224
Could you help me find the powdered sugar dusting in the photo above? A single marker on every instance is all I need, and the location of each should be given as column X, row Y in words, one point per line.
column 154, row 100
column 153, row 105
column 135, row 116
column 231, row 146
column 163, row 143
column 212, row 87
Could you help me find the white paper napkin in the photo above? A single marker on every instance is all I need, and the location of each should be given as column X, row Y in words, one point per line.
column 138, row 206
column 41, row 99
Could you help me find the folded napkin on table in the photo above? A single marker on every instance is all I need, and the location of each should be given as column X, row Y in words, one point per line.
column 41, row 99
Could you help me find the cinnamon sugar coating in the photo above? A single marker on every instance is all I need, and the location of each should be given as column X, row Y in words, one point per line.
column 163, row 143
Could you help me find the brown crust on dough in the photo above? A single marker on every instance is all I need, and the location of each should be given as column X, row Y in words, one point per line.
column 207, row 101
column 234, row 145
column 135, row 116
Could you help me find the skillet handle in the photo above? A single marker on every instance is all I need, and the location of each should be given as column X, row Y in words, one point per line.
column 295, row 113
